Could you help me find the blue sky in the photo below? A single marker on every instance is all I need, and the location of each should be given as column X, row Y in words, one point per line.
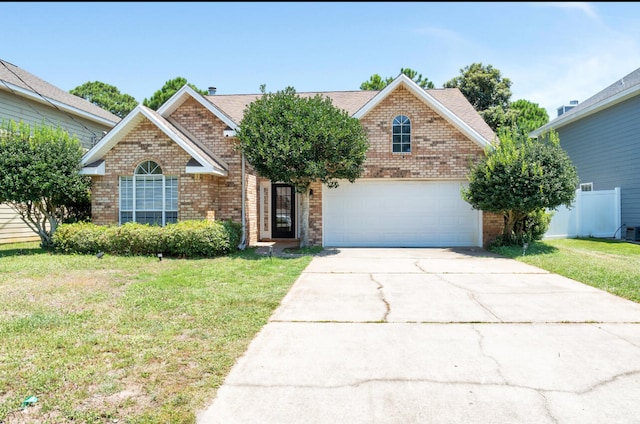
column 552, row 52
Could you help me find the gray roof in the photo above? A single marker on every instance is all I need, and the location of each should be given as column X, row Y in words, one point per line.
column 18, row 77
column 620, row 90
column 351, row 101
column 617, row 87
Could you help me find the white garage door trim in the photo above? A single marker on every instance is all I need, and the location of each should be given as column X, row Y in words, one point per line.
column 399, row 213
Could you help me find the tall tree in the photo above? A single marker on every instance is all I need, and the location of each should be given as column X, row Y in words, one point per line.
column 300, row 140
column 168, row 89
column 486, row 89
column 376, row 82
column 39, row 176
column 106, row 96
column 519, row 177
column 526, row 116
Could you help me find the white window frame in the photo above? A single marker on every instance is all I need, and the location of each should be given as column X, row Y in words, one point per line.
column 144, row 172
column 402, row 122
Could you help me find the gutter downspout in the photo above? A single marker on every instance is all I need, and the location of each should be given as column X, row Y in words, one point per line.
column 243, row 243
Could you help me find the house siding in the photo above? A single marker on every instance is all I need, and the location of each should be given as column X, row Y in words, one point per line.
column 33, row 113
column 604, row 147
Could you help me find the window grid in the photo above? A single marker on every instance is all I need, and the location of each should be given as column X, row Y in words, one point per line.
column 401, row 134
column 154, row 195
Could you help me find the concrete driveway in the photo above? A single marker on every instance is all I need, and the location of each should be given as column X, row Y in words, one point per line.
column 437, row 336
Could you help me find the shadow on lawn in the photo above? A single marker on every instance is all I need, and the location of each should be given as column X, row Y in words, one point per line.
column 24, row 251
column 532, row 249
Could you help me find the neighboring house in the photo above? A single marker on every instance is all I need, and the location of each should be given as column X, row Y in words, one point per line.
column 602, row 137
column 181, row 163
column 25, row 97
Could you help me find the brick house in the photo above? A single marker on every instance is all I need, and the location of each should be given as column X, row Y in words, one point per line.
column 180, row 163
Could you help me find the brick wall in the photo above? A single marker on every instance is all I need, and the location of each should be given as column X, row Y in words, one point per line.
column 147, row 142
column 492, row 226
column 438, row 149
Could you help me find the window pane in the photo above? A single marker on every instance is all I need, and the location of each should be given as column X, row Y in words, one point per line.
column 148, row 193
column 126, row 193
column 171, row 193
column 171, row 217
column 401, row 134
column 126, row 217
column 152, row 218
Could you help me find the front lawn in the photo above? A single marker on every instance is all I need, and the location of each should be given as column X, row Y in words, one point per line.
column 127, row 339
column 610, row 265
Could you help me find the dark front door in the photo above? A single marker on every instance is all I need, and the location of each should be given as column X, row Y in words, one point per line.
column 283, row 211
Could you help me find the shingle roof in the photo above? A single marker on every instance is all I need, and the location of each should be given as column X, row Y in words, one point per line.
column 623, row 84
column 624, row 88
column 351, row 101
column 18, row 77
column 234, row 105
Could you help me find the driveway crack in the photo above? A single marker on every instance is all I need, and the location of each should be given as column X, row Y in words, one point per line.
column 381, row 295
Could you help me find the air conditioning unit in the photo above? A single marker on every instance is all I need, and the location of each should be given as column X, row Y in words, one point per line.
column 633, row 234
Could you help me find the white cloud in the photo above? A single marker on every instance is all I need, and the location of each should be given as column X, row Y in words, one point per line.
column 585, row 7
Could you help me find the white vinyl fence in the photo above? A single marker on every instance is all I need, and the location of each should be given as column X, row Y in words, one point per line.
column 593, row 214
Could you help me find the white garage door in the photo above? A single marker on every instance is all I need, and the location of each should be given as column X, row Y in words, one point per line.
column 399, row 214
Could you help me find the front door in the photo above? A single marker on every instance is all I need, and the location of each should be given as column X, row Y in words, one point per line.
column 283, row 211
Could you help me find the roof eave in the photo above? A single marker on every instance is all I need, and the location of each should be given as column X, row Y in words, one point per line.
column 67, row 108
column 431, row 101
column 566, row 119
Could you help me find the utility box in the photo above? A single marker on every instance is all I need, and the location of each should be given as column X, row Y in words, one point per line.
column 633, row 234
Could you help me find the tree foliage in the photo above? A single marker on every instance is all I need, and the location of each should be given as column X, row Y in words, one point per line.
column 376, row 82
column 525, row 116
column 168, row 89
column 486, row 89
column 299, row 140
column 519, row 177
column 106, row 97
column 39, row 176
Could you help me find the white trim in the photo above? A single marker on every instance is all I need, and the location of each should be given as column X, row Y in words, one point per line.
column 128, row 123
column 93, row 170
column 71, row 109
column 183, row 94
column 565, row 119
column 265, row 232
column 422, row 94
column 229, row 133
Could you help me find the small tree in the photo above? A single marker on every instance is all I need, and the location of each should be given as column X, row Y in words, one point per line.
column 39, row 176
column 168, row 89
column 297, row 140
column 519, row 177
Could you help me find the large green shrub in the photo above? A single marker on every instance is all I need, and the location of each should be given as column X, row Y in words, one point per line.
column 192, row 238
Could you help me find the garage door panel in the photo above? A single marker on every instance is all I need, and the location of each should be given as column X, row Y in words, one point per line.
column 398, row 214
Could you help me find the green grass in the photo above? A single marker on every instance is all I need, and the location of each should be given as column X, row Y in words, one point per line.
column 610, row 265
column 127, row 339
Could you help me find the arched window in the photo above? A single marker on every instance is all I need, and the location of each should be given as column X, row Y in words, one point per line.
column 401, row 130
column 148, row 197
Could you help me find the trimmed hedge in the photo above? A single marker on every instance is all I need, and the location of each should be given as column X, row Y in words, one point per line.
column 189, row 239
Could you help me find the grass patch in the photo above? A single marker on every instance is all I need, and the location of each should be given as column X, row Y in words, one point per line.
column 610, row 265
column 127, row 339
